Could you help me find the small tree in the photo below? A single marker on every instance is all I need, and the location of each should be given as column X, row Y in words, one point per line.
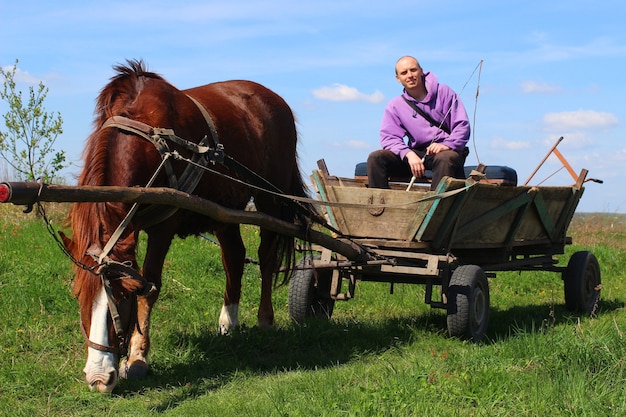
column 26, row 144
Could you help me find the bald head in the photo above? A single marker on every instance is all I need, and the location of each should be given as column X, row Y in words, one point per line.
column 407, row 61
column 411, row 76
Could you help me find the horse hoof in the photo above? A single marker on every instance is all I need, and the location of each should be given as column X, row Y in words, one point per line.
column 265, row 324
column 136, row 370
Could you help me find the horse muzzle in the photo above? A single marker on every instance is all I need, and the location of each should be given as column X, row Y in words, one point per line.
column 102, row 382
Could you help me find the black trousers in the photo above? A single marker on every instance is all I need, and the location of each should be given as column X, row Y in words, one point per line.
column 383, row 164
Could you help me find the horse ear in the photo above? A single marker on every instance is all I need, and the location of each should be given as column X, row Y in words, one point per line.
column 67, row 242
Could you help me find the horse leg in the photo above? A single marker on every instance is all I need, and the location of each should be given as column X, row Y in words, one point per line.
column 233, row 257
column 267, row 265
column 136, row 366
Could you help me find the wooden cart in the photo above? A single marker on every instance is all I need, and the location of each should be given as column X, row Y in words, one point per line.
column 453, row 238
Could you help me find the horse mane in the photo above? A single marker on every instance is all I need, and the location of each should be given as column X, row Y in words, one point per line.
column 117, row 97
column 87, row 219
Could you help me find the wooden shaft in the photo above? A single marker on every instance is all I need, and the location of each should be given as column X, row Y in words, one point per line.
column 28, row 193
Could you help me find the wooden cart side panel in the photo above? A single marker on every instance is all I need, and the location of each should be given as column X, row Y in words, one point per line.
column 360, row 216
column 544, row 221
column 498, row 216
column 391, row 222
column 509, row 220
column 491, row 217
column 420, row 217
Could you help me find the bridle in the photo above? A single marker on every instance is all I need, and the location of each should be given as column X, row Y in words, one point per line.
column 120, row 270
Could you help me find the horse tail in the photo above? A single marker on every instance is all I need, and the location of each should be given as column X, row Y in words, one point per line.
column 298, row 212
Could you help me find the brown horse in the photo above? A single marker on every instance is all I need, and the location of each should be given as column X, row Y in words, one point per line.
column 256, row 129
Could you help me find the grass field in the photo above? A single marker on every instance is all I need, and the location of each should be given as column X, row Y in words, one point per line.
column 380, row 355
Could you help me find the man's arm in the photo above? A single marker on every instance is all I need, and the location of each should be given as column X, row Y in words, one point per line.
column 392, row 133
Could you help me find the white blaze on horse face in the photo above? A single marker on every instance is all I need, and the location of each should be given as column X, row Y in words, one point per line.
column 229, row 318
column 100, row 371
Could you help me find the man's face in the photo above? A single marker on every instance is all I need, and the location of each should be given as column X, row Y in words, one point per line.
column 409, row 73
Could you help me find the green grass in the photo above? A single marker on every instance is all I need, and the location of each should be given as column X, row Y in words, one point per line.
column 380, row 355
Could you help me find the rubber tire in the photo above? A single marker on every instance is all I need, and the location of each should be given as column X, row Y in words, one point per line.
column 582, row 282
column 468, row 303
column 309, row 298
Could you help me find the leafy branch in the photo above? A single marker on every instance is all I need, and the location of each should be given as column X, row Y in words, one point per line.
column 27, row 143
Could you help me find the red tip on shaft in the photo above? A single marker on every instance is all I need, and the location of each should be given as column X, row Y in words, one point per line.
column 5, row 193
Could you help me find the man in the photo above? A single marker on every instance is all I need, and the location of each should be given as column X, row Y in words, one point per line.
column 435, row 123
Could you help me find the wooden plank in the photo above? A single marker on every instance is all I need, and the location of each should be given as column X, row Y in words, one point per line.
column 418, row 219
column 476, row 223
column 337, row 212
column 565, row 217
column 446, row 234
column 438, row 214
column 409, row 270
column 367, row 220
column 542, row 211
column 393, row 243
column 517, row 222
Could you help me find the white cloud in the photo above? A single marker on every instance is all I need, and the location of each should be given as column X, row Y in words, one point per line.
column 21, row 76
column 580, row 119
column 500, row 143
column 536, row 87
column 340, row 92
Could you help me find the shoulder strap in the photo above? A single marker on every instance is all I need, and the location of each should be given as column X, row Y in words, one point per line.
column 427, row 116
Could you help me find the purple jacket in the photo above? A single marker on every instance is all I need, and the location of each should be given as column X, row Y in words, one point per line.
column 400, row 120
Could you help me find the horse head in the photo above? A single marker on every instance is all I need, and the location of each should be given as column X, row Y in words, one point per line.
column 107, row 292
column 108, row 282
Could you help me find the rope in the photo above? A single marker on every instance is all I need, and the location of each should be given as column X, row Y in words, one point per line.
column 456, row 97
column 550, row 176
column 55, row 236
column 329, row 203
column 475, row 111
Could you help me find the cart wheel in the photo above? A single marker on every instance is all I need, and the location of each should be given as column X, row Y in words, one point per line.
column 468, row 303
column 310, row 297
column 582, row 282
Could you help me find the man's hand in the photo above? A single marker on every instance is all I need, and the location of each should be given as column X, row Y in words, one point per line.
column 434, row 148
column 416, row 164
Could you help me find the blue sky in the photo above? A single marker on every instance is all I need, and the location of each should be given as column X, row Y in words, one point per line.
column 550, row 69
